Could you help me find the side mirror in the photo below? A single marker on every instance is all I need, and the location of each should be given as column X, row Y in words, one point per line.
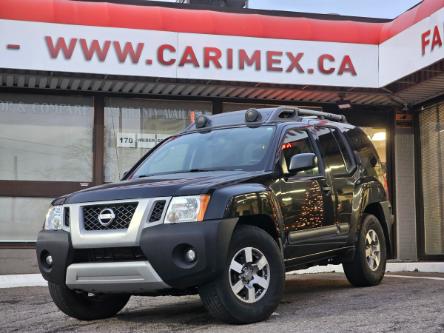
column 124, row 175
column 301, row 162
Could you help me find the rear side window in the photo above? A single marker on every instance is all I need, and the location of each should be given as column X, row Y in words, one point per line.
column 349, row 162
column 336, row 156
column 361, row 144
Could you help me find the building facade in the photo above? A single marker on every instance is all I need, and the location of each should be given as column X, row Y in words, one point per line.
column 88, row 88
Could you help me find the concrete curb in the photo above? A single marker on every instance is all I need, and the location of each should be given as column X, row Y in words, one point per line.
column 22, row 280
column 36, row 280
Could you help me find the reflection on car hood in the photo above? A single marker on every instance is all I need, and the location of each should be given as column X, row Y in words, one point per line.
column 164, row 186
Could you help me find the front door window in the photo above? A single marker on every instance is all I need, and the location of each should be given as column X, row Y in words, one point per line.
column 301, row 196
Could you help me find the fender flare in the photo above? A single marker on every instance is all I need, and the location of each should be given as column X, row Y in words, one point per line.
column 374, row 201
column 243, row 200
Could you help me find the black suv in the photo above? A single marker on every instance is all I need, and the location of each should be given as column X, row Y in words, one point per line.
column 223, row 209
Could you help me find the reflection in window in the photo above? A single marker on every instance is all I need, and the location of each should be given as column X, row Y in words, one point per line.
column 45, row 138
column 22, row 225
column 134, row 126
column 333, row 156
column 362, row 141
column 240, row 148
column 296, row 142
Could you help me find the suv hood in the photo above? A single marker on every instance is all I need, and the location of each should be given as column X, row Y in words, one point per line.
column 166, row 185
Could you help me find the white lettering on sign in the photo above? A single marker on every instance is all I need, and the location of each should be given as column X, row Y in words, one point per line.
column 117, row 51
column 126, row 140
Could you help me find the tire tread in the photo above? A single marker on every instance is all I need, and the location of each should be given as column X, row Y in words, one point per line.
column 356, row 272
column 214, row 297
column 72, row 305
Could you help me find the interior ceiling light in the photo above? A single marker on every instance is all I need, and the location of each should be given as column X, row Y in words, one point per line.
column 343, row 104
column 378, row 136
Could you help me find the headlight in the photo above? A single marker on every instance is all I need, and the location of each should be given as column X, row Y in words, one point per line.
column 187, row 209
column 54, row 218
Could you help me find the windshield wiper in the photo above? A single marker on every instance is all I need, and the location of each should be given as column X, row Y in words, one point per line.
column 161, row 173
column 216, row 169
column 186, row 171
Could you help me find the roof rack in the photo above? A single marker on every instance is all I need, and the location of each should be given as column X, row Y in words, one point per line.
column 291, row 112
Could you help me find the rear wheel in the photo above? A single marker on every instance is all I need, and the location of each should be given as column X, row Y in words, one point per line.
column 85, row 306
column 252, row 284
column 368, row 265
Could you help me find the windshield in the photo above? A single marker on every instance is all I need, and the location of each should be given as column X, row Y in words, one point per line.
column 240, row 148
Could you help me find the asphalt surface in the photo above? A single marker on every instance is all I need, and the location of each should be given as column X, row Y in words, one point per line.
column 312, row 303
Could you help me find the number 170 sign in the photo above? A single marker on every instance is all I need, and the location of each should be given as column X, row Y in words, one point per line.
column 126, row 140
column 133, row 140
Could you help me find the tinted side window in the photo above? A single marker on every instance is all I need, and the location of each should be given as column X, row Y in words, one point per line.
column 349, row 163
column 333, row 155
column 360, row 143
column 296, row 142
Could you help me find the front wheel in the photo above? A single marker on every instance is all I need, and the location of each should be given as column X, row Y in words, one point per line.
column 252, row 283
column 368, row 265
column 84, row 306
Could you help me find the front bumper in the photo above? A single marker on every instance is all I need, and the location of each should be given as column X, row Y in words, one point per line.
column 162, row 268
column 114, row 277
column 163, row 246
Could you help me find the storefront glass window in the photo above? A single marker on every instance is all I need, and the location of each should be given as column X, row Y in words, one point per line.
column 431, row 122
column 22, row 218
column 229, row 107
column 45, row 138
column 134, row 126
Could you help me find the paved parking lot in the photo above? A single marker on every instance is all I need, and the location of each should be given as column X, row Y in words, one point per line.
column 312, row 303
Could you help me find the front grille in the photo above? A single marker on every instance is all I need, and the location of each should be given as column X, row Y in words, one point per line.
column 156, row 213
column 111, row 254
column 66, row 216
column 123, row 214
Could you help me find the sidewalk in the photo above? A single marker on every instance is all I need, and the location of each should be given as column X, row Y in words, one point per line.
column 36, row 280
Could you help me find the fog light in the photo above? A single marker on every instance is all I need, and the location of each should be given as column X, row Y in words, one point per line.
column 48, row 260
column 190, row 255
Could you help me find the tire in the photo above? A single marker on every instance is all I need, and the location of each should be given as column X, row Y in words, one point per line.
column 364, row 270
column 247, row 306
column 81, row 306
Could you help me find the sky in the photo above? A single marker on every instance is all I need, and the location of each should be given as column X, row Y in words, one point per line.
column 366, row 8
column 388, row 9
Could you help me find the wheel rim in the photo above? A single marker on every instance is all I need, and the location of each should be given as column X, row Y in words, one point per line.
column 249, row 275
column 372, row 250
